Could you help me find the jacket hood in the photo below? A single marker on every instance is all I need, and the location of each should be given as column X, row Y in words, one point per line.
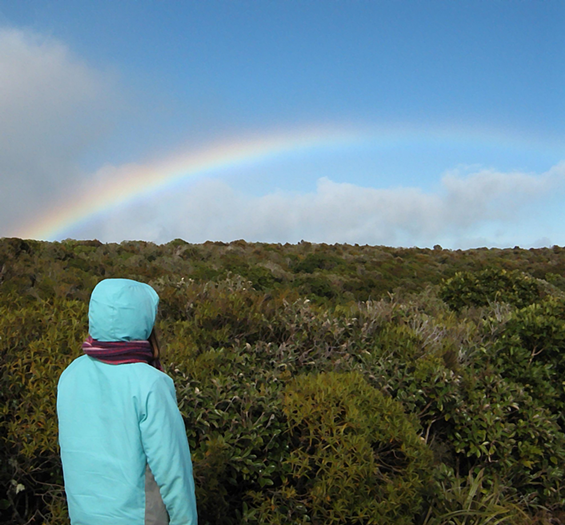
column 122, row 310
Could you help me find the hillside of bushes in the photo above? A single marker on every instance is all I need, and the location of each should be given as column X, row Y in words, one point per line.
column 321, row 384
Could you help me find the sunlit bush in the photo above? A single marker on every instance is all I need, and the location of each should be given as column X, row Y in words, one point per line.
column 355, row 457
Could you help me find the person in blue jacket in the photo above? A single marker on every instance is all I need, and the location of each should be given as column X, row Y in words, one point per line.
column 124, row 450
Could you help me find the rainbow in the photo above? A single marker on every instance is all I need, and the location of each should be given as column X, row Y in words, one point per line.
column 117, row 186
column 112, row 187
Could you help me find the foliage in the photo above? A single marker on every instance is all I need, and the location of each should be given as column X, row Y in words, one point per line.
column 531, row 351
column 469, row 502
column 355, row 457
column 407, row 385
column 235, row 427
column 36, row 345
column 488, row 286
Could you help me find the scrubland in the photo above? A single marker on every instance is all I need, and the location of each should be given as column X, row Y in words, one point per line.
column 323, row 384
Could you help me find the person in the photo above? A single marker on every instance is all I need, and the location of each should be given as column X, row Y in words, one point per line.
column 124, row 451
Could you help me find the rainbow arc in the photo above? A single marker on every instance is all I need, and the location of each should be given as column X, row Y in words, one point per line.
column 113, row 187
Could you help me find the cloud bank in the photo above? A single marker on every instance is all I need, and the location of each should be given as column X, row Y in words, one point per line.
column 464, row 205
column 53, row 107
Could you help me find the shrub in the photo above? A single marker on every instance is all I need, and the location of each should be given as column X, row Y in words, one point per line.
column 36, row 345
column 488, row 286
column 531, row 351
column 497, row 426
column 235, row 426
column 355, row 457
column 317, row 261
column 474, row 413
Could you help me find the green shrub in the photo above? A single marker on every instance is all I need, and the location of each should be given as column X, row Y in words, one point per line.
column 499, row 427
column 316, row 286
column 449, row 373
column 36, row 345
column 488, row 286
column 355, row 457
column 531, row 351
column 235, row 426
column 317, row 261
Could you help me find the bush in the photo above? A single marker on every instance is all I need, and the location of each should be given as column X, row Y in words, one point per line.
column 475, row 415
column 36, row 346
column 531, row 352
column 489, row 286
column 235, row 427
column 355, row 457
column 497, row 426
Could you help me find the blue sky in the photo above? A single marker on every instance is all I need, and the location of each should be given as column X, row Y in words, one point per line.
column 459, row 110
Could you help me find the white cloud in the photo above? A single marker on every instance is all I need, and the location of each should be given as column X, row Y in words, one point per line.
column 52, row 107
column 467, row 206
column 488, row 194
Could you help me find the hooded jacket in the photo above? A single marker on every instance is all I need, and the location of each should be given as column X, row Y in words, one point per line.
column 125, row 455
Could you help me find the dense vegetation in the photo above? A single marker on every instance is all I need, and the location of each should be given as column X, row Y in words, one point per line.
column 322, row 384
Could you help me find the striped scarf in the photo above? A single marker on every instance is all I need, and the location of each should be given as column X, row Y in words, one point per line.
column 121, row 352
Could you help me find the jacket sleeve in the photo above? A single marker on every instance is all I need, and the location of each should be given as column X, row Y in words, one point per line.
column 164, row 440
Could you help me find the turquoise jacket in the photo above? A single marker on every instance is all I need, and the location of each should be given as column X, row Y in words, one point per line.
column 125, row 455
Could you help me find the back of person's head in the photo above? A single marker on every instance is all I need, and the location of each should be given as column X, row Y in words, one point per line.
column 122, row 310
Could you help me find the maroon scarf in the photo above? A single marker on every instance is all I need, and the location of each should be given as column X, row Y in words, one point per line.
column 121, row 352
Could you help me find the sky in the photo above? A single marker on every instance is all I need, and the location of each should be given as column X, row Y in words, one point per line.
column 382, row 122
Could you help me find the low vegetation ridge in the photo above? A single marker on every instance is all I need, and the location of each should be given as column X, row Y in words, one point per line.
column 323, row 384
